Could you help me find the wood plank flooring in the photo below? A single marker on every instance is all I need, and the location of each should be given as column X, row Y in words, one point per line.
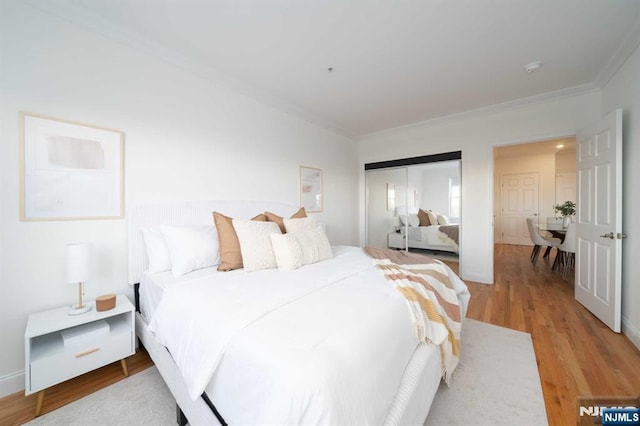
column 576, row 353
column 17, row 409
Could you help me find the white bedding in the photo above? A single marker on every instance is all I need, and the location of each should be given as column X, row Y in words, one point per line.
column 347, row 343
column 427, row 237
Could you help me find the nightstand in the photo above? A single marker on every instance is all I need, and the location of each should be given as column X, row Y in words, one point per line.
column 397, row 240
column 59, row 346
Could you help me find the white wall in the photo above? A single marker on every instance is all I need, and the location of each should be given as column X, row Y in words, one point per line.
column 566, row 160
column 185, row 139
column 623, row 91
column 475, row 136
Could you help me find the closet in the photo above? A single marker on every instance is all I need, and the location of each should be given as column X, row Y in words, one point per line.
column 397, row 190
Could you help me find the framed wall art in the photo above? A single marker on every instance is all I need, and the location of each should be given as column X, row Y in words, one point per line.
column 311, row 189
column 69, row 170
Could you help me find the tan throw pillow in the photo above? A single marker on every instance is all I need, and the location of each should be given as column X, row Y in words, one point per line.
column 424, row 218
column 230, row 254
column 272, row 217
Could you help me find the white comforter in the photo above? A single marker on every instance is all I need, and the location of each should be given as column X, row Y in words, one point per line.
column 326, row 343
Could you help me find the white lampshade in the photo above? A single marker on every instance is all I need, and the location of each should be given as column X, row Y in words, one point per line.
column 78, row 262
column 396, row 221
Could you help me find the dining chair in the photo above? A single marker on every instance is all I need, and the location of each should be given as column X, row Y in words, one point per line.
column 540, row 241
column 566, row 257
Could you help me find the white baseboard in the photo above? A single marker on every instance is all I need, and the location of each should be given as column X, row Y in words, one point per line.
column 11, row 383
column 631, row 332
column 477, row 278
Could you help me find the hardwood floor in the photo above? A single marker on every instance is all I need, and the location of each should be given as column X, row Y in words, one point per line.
column 576, row 353
column 17, row 409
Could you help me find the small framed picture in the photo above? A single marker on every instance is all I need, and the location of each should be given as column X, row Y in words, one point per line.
column 311, row 189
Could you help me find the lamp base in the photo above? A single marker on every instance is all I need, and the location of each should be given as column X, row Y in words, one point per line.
column 75, row 310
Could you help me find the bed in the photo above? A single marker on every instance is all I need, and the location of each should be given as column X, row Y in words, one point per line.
column 433, row 237
column 330, row 342
column 426, row 230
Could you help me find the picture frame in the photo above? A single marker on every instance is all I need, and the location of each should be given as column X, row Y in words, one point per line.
column 69, row 170
column 310, row 179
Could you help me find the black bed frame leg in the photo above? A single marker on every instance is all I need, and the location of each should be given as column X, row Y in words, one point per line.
column 180, row 417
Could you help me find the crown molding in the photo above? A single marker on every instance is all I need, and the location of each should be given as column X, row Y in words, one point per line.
column 516, row 103
column 624, row 51
column 96, row 24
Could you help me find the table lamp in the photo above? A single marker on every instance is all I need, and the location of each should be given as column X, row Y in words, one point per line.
column 78, row 271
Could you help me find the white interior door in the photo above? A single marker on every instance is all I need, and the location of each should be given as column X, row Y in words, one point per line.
column 599, row 220
column 519, row 202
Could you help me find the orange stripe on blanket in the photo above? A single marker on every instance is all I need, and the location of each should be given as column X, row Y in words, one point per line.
column 425, row 304
column 451, row 309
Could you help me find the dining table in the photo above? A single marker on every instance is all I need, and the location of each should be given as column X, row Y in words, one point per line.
column 556, row 231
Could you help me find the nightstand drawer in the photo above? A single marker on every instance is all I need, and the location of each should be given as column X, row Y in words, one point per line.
column 397, row 240
column 51, row 362
column 71, row 361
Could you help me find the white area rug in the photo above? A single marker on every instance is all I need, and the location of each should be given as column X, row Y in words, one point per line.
column 142, row 399
column 498, row 384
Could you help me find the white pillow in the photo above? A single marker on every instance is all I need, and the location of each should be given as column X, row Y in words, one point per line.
column 255, row 243
column 157, row 250
column 307, row 245
column 191, row 247
column 287, row 251
column 433, row 217
column 293, row 250
column 321, row 242
column 411, row 219
column 443, row 220
column 302, row 224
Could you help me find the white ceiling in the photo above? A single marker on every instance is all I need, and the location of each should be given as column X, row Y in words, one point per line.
column 394, row 62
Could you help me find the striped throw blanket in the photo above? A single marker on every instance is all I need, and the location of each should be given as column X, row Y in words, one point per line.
column 424, row 282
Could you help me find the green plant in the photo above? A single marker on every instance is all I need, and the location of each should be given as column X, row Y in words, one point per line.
column 568, row 208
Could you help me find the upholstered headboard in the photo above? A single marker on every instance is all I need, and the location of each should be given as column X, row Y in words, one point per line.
column 186, row 214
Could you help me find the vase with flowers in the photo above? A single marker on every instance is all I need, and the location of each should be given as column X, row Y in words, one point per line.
column 566, row 210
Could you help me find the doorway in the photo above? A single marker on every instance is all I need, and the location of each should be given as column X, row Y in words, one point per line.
column 554, row 164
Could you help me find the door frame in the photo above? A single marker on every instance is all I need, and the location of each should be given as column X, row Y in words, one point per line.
column 497, row 239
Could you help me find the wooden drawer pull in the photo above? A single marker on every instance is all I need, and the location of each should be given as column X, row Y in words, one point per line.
column 90, row 351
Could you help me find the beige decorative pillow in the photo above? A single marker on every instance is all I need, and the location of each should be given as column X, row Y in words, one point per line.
column 433, row 217
column 230, row 254
column 298, row 225
column 255, row 243
column 272, row 217
column 295, row 249
column 423, row 217
column 443, row 220
column 287, row 251
column 321, row 242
